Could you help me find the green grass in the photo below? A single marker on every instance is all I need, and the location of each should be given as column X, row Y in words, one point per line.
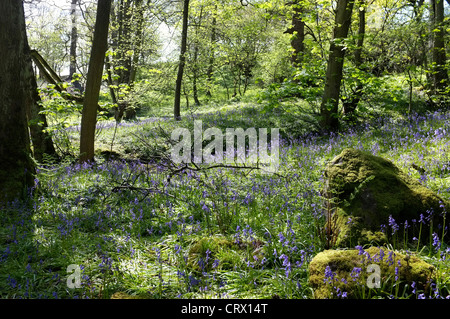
column 226, row 233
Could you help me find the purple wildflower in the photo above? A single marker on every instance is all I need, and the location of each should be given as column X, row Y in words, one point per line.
column 355, row 273
column 286, row 264
column 393, row 224
column 329, row 275
column 436, row 242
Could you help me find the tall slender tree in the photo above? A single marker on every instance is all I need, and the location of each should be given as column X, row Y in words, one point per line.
column 182, row 62
column 37, row 121
column 73, row 39
column 298, row 32
column 351, row 103
column 127, row 27
column 16, row 165
column 210, row 71
column 41, row 140
column 93, row 82
column 329, row 109
column 440, row 75
column 74, row 45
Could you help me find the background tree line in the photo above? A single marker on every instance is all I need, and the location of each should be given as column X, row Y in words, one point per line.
column 338, row 56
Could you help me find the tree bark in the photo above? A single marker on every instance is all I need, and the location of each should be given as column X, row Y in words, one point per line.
column 182, row 62
column 440, row 76
column 298, row 34
column 329, row 108
column 127, row 39
column 195, row 67
column 138, row 38
column 41, row 141
column 351, row 103
column 195, row 76
column 93, row 82
column 209, row 72
column 16, row 165
column 73, row 40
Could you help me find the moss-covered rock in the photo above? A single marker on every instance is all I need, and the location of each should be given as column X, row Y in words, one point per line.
column 124, row 295
column 203, row 252
column 345, row 273
column 230, row 254
column 367, row 190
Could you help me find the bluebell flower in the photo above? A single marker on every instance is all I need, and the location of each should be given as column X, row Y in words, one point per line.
column 12, row 282
column 436, row 242
column 361, row 250
column 421, row 219
column 208, row 252
column 329, row 275
column 284, row 242
column 355, row 273
column 286, row 264
column 393, row 224
column 390, row 259
column 381, row 256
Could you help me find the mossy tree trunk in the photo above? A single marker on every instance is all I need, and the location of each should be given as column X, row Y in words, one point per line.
column 298, row 33
column 16, row 165
column 73, row 39
column 440, row 75
column 41, row 140
column 351, row 103
column 127, row 38
column 209, row 72
column 94, row 80
column 329, row 109
column 182, row 62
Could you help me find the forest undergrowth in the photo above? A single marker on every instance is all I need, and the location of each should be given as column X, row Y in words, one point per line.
column 218, row 233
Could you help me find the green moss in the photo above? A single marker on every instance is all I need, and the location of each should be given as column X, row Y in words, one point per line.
column 107, row 153
column 15, row 179
column 124, row 295
column 229, row 254
column 369, row 189
column 217, row 246
column 343, row 262
column 351, row 231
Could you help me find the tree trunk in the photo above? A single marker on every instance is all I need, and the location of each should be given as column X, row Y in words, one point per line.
column 195, row 68
column 127, row 38
column 440, row 76
column 16, row 165
column 329, row 108
column 73, row 40
column 298, row 34
column 41, row 140
column 176, row 108
column 138, row 38
column 93, row 82
column 195, row 76
column 351, row 103
column 209, row 72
